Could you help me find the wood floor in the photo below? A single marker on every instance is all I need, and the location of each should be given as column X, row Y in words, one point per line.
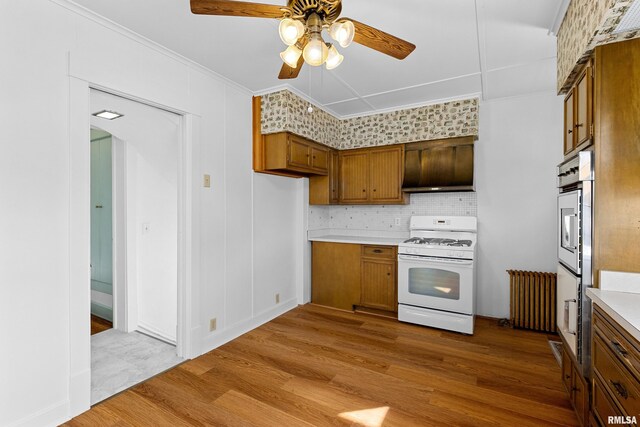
column 316, row 366
column 99, row 324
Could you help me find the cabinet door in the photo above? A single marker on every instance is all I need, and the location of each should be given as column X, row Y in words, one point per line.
column 334, row 178
column 354, row 177
column 335, row 274
column 320, row 158
column 569, row 121
column 567, row 369
column 378, row 286
column 584, row 107
column 298, row 152
column 580, row 396
column 385, row 174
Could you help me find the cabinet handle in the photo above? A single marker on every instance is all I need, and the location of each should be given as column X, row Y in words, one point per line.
column 98, row 206
column 364, row 191
column 570, row 131
column 579, row 125
column 377, row 251
column 619, row 349
column 622, row 392
column 374, row 190
column 567, row 377
column 388, row 274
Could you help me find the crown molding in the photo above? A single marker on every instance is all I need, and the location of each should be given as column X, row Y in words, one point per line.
column 132, row 35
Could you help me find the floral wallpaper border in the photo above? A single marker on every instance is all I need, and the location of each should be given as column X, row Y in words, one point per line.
column 285, row 111
column 587, row 24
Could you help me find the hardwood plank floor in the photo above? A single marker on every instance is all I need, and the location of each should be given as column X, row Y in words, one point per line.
column 317, row 366
column 99, row 324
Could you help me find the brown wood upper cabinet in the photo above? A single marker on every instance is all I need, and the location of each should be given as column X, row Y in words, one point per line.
column 372, row 176
column 287, row 152
column 324, row 189
column 578, row 113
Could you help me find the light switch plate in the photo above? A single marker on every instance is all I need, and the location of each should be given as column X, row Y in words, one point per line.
column 207, row 181
column 212, row 324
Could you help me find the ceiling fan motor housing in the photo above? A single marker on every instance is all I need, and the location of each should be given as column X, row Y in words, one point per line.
column 328, row 10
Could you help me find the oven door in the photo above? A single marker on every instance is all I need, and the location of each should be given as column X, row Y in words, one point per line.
column 569, row 216
column 568, row 295
column 438, row 284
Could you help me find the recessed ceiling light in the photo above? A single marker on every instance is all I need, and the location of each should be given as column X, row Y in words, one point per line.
column 109, row 115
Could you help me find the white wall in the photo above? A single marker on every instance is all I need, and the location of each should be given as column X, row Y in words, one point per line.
column 50, row 48
column 151, row 139
column 519, row 146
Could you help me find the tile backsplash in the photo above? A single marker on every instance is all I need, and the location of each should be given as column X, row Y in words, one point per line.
column 383, row 217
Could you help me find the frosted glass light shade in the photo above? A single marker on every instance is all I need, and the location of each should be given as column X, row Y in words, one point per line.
column 315, row 52
column 290, row 31
column 334, row 58
column 291, row 56
column 342, row 32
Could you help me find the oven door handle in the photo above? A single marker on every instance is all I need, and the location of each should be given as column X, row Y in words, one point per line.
column 565, row 326
column 434, row 261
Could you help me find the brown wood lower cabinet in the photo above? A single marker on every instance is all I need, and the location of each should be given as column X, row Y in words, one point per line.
column 616, row 377
column 378, row 287
column 348, row 275
column 576, row 385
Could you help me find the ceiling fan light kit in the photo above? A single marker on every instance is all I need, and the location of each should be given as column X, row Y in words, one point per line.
column 291, row 56
column 290, row 31
column 301, row 25
column 334, row 58
column 342, row 32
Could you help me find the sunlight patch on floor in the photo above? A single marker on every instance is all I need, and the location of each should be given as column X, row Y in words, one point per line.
column 373, row 417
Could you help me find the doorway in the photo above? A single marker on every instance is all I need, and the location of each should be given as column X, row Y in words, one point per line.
column 101, row 232
column 134, row 242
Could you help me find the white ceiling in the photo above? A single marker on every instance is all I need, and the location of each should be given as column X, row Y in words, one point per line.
column 494, row 48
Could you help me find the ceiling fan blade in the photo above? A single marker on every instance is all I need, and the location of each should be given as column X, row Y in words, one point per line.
column 381, row 41
column 287, row 72
column 236, row 8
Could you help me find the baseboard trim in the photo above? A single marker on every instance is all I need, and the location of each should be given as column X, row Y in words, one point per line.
column 53, row 415
column 80, row 392
column 154, row 333
column 216, row 340
column 101, row 311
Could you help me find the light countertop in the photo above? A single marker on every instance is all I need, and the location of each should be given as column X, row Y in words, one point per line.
column 359, row 240
column 623, row 307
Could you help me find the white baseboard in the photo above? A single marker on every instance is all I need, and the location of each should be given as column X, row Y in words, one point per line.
column 152, row 332
column 216, row 340
column 80, row 393
column 53, row 415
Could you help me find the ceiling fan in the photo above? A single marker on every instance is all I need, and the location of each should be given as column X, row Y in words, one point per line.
column 301, row 25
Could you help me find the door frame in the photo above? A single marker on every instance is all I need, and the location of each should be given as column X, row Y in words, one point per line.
column 80, row 237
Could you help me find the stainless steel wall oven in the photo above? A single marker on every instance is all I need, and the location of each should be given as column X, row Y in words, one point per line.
column 575, row 231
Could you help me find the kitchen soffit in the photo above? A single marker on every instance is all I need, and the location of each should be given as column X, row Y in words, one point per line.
column 461, row 46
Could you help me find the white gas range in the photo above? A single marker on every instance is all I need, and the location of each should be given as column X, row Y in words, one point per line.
column 436, row 273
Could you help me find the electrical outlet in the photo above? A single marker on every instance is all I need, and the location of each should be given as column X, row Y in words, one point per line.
column 277, row 298
column 207, row 181
column 397, row 222
column 212, row 324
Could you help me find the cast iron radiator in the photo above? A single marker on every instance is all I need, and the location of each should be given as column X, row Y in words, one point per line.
column 533, row 300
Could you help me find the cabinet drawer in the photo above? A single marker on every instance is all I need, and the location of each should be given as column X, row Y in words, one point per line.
column 622, row 347
column 566, row 369
column 602, row 406
column 621, row 385
column 388, row 252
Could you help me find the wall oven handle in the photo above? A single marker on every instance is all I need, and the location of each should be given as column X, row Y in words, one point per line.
column 565, row 327
column 452, row 261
